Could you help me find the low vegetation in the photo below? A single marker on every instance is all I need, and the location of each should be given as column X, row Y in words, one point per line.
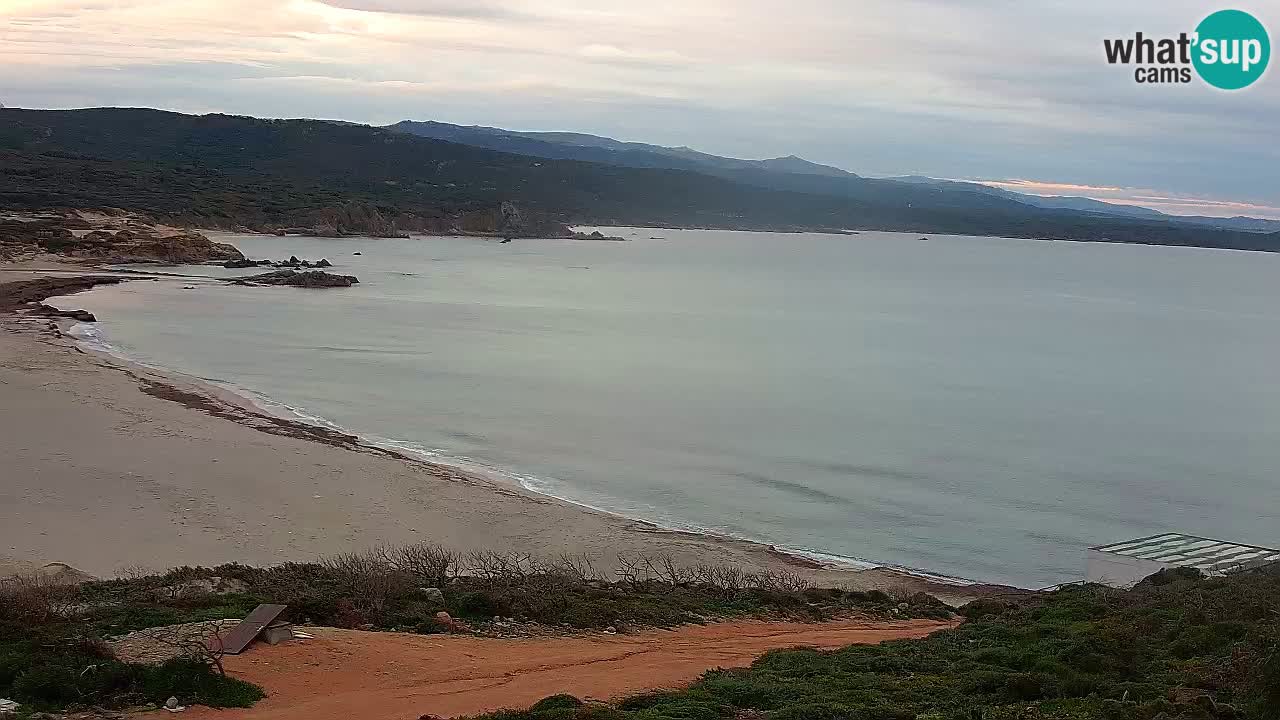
column 53, row 655
column 1179, row 646
column 53, row 652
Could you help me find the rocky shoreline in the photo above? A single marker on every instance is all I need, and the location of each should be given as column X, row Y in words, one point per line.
column 24, row 293
column 119, row 237
column 359, row 219
column 107, row 237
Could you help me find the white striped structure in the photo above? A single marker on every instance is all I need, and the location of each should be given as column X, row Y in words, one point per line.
column 1123, row 564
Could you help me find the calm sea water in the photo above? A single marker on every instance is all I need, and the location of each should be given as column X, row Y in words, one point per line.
column 979, row 407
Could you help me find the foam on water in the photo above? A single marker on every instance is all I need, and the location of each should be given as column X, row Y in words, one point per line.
column 90, row 337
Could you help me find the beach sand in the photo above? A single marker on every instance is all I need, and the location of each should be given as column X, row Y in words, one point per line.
column 108, row 466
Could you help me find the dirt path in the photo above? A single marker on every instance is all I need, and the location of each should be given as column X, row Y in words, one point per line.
column 344, row 674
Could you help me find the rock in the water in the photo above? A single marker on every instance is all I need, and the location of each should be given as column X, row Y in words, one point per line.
column 308, row 279
column 324, row 262
column 244, row 263
column 597, row 235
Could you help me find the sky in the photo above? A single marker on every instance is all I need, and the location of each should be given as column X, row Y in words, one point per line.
column 1011, row 92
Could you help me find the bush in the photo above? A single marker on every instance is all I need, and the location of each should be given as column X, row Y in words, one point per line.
column 556, row 702
column 815, row 711
column 44, row 656
column 59, row 680
column 1025, row 686
column 195, row 682
column 1079, row 653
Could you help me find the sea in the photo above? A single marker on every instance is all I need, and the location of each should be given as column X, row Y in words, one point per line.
column 972, row 407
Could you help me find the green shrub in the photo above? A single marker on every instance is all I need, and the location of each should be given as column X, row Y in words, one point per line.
column 58, row 680
column 1078, row 653
column 195, row 682
column 556, row 702
column 816, row 711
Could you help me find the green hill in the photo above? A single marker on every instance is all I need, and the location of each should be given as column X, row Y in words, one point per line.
column 219, row 170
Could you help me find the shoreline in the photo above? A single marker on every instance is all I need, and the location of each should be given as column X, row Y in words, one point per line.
column 256, row 410
column 226, row 404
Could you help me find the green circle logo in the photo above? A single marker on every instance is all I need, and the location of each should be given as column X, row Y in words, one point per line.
column 1232, row 49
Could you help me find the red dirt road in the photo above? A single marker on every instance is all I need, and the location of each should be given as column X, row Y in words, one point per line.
column 345, row 674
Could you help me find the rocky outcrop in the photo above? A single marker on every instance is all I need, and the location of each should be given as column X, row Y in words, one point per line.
column 17, row 294
column 51, row 311
column 185, row 247
column 308, row 279
column 292, row 262
column 597, row 235
column 130, row 240
column 510, row 222
column 243, row 263
column 507, row 221
column 350, row 219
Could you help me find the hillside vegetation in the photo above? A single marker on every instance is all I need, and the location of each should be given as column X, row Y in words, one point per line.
column 1177, row 647
column 54, row 652
column 219, row 170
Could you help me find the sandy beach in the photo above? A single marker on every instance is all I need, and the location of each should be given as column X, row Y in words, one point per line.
column 109, row 466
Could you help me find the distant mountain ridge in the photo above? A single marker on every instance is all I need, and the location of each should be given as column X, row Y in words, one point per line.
column 1084, row 204
column 230, row 171
column 1062, row 202
column 783, row 173
column 595, row 148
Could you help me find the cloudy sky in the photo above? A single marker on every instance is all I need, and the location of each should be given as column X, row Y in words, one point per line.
column 1008, row 91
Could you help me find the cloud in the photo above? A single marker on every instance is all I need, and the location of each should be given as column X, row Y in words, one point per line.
column 1145, row 197
column 597, row 52
column 1040, row 187
column 465, row 9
